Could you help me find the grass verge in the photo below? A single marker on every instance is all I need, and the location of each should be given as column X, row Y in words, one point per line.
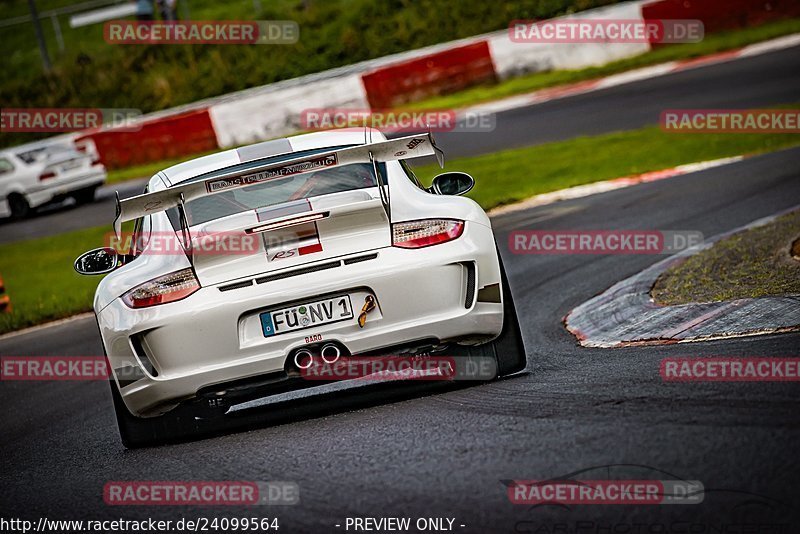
column 753, row 263
column 39, row 277
column 40, row 280
column 712, row 43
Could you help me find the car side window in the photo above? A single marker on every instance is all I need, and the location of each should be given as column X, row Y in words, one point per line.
column 6, row 166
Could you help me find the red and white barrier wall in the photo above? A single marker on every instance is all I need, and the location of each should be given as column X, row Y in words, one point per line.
column 515, row 59
column 439, row 73
column 164, row 138
column 273, row 111
column 266, row 114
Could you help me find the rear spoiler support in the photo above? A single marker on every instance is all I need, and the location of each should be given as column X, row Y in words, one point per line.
column 382, row 190
column 186, row 236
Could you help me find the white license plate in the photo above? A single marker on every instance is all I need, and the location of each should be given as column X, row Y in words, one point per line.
column 307, row 315
column 71, row 165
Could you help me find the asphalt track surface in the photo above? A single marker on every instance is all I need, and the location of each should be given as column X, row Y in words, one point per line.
column 433, row 451
column 760, row 81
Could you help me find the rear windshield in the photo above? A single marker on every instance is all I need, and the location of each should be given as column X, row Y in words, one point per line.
column 47, row 152
column 278, row 190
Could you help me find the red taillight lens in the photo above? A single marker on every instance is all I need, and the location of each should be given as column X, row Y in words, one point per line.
column 418, row 234
column 46, row 176
column 161, row 290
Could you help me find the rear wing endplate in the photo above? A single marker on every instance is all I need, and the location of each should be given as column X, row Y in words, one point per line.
column 412, row 146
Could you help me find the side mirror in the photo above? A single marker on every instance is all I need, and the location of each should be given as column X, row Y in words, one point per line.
column 97, row 261
column 452, row 183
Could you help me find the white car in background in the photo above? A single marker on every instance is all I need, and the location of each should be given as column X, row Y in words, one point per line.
column 33, row 176
column 347, row 240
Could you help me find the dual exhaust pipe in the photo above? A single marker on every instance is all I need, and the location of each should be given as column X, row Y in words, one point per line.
column 304, row 358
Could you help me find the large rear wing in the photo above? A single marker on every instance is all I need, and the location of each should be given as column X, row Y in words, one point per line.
column 412, row 146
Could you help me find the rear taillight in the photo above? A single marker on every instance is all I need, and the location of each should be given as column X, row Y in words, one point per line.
column 418, row 234
column 46, row 176
column 161, row 290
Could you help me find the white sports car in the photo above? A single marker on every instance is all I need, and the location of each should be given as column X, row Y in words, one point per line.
column 350, row 256
column 37, row 174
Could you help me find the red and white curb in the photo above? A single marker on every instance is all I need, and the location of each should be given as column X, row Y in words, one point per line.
column 594, row 188
column 625, row 314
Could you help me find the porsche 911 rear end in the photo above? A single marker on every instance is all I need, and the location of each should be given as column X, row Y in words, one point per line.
column 271, row 274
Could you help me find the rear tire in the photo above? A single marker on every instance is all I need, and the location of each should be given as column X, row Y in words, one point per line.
column 138, row 432
column 19, row 206
column 509, row 349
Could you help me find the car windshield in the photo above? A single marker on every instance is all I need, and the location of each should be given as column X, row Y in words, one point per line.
column 279, row 190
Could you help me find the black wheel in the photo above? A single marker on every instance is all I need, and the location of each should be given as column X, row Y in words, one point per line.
column 19, row 206
column 136, row 432
column 86, row 195
column 509, row 349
